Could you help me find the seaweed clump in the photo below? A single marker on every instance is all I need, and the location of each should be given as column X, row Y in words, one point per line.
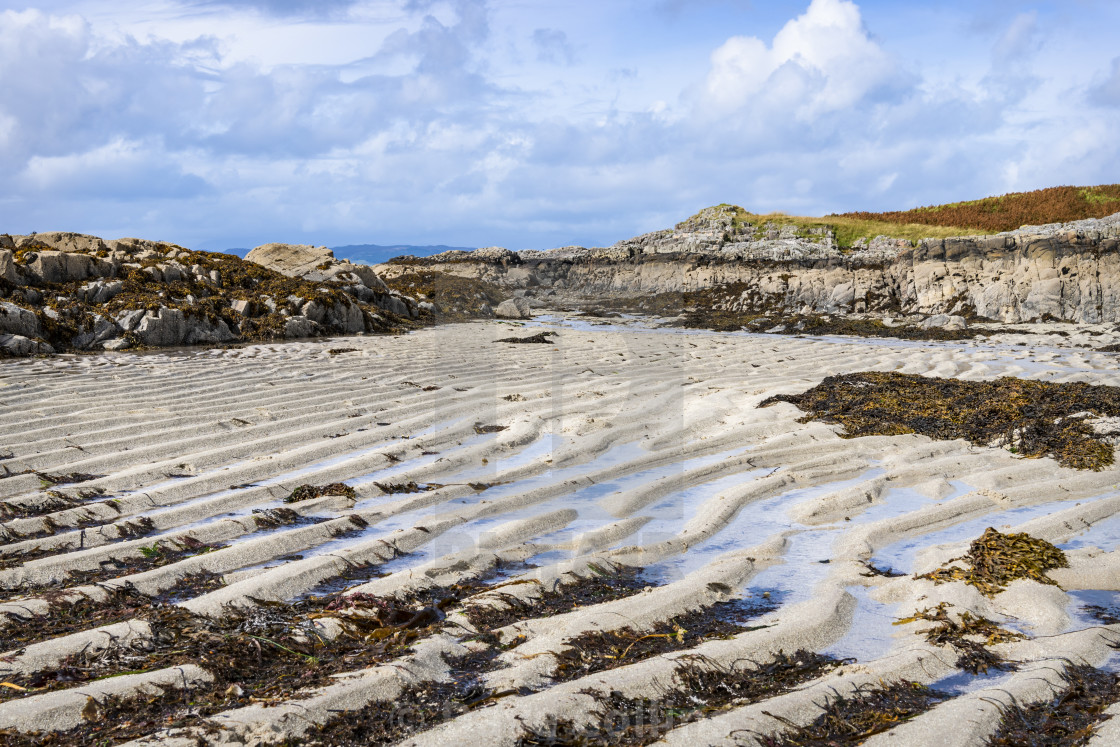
column 307, row 492
column 541, row 338
column 867, row 712
column 454, row 297
column 264, row 654
column 603, row 585
column 67, row 615
column 597, row 651
column 1031, row 418
column 996, row 559
column 1067, row 720
column 968, row 635
column 701, row 689
column 156, row 555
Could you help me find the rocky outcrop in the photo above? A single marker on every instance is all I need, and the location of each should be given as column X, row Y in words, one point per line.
column 1063, row 271
column 66, row 291
column 318, row 264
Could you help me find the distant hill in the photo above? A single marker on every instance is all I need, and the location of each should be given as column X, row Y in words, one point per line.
column 374, row 254
column 975, row 217
column 1010, row 211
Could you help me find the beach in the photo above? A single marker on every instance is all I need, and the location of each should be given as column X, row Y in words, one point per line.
column 457, row 464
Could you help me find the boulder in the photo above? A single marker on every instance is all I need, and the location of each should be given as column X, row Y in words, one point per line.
column 15, row 320
column 103, row 329
column 300, row 326
column 65, row 267
column 944, row 321
column 101, row 291
column 345, row 316
column 60, row 241
column 22, row 346
column 314, row 311
column 163, row 327
column 935, row 321
column 242, row 307
column 314, row 263
column 8, row 267
column 130, row 320
column 397, row 304
column 202, row 331
column 514, row 308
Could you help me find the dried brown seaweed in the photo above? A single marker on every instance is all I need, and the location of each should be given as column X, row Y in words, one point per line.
column 996, row 559
column 1030, row 418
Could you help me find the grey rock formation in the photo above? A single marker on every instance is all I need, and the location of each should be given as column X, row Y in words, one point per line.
column 18, row 345
column 7, row 264
column 78, row 281
column 300, row 326
column 514, row 308
column 203, row 331
column 315, row 263
column 943, row 321
column 65, row 267
column 163, row 327
column 16, row 320
column 103, row 329
column 1063, row 271
column 318, row 264
column 101, row 291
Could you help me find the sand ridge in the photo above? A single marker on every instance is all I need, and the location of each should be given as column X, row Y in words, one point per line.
column 620, row 447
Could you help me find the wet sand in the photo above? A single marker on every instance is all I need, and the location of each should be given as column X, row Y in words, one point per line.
column 620, row 447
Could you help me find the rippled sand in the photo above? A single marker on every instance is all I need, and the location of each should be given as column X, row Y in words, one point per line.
column 627, row 446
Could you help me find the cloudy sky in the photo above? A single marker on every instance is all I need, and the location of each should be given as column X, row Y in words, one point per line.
column 530, row 123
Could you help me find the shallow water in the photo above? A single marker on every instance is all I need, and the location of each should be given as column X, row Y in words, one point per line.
column 584, row 500
column 753, row 525
column 872, row 632
column 1104, row 534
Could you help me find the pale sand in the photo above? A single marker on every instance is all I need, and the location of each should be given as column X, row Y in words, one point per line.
column 623, row 447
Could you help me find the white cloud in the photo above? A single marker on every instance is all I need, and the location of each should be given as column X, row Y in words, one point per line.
column 822, row 61
column 1108, row 92
column 440, row 121
column 119, row 170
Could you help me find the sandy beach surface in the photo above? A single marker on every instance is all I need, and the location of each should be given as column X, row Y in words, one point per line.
column 615, row 447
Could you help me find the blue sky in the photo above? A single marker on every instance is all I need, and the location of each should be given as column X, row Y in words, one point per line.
column 220, row 123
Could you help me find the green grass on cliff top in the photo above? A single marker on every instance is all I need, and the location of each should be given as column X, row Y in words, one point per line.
column 970, row 218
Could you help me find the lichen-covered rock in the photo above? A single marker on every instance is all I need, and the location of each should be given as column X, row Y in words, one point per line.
column 65, row 267
column 60, row 241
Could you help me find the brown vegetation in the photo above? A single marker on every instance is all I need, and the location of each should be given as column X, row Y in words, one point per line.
column 1031, row 418
column 1010, row 211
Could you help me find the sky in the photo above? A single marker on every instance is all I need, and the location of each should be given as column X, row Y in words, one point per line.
column 535, row 124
